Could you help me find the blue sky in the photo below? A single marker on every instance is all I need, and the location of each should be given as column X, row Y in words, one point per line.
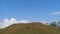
column 32, row 10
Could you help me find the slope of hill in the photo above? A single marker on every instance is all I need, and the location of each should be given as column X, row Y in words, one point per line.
column 30, row 28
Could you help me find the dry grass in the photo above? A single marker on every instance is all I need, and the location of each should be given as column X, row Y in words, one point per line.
column 30, row 28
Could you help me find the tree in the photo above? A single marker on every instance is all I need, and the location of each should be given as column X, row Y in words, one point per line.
column 58, row 24
column 53, row 24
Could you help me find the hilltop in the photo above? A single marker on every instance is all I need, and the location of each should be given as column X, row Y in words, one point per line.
column 29, row 28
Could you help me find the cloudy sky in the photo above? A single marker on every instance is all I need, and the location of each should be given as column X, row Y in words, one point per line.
column 31, row 10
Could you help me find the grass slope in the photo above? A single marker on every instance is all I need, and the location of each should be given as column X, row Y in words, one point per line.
column 30, row 28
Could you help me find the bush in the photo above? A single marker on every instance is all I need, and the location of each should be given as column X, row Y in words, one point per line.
column 53, row 24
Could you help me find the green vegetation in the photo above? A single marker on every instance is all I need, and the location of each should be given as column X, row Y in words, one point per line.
column 30, row 28
column 53, row 24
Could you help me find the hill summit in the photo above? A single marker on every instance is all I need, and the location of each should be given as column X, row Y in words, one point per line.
column 29, row 28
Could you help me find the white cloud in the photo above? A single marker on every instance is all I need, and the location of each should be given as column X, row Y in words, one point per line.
column 12, row 20
column 8, row 22
column 55, row 13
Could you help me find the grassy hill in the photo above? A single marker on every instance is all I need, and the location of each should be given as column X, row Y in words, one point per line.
column 30, row 28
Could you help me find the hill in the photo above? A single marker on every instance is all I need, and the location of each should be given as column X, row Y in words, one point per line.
column 30, row 28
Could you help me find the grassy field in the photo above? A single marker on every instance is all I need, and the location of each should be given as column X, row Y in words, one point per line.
column 30, row 28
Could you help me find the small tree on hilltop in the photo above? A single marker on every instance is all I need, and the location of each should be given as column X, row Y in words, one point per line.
column 58, row 24
column 53, row 24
